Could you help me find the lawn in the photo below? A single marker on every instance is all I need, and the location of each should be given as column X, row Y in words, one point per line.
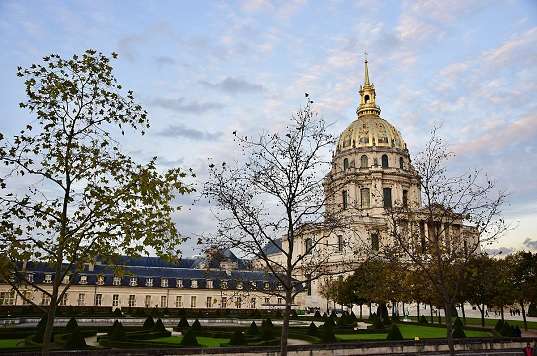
column 488, row 322
column 410, row 332
column 202, row 340
column 11, row 343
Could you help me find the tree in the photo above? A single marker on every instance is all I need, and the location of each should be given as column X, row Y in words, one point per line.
column 461, row 213
column 82, row 197
column 274, row 199
column 523, row 277
column 480, row 282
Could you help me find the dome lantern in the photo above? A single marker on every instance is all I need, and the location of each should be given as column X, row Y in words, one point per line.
column 367, row 96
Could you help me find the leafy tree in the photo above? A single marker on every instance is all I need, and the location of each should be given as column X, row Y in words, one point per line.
column 523, row 279
column 275, row 198
column 480, row 282
column 81, row 196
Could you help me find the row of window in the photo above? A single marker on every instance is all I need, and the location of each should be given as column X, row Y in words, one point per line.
column 365, row 199
column 149, row 282
column 364, row 162
column 8, row 298
column 375, row 244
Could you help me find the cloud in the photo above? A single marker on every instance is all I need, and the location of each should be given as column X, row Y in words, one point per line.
column 181, row 130
column 234, row 86
column 530, row 244
column 165, row 60
column 182, row 106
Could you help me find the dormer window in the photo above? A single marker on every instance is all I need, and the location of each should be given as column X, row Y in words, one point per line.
column 117, row 281
column 66, row 280
column 179, row 283
column 224, row 284
column 266, row 285
column 149, row 282
column 239, row 285
column 48, row 278
column 164, row 282
column 194, row 283
column 133, row 282
column 83, row 279
column 30, row 277
column 209, row 284
column 100, row 280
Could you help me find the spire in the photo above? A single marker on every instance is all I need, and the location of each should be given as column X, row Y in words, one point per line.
column 367, row 94
column 366, row 81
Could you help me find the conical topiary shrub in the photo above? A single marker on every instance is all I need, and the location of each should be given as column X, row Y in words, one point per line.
column 317, row 315
column 149, row 323
column 499, row 325
column 159, row 326
column 327, row 334
column 196, row 325
column 458, row 329
column 118, row 313
column 325, row 316
column 506, row 330
column 71, row 325
column 189, row 338
column 267, row 322
column 423, row 320
column 237, row 338
column 329, row 323
column 267, row 330
column 116, row 332
column 253, row 330
column 394, row 333
column 183, row 324
column 313, row 330
column 40, row 329
column 75, row 340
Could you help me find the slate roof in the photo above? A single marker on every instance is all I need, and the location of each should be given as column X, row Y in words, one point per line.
column 273, row 247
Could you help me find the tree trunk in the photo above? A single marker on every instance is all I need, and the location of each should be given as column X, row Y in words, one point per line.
column 501, row 312
column 51, row 312
column 360, row 311
column 418, row 310
column 403, row 309
column 432, row 317
column 448, row 309
column 285, row 326
column 463, row 313
column 524, row 316
column 482, row 311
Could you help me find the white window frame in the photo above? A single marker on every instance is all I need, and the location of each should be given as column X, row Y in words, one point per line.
column 81, row 299
column 115, row 300
column 164, row 282
column 100, row 280
column 209, row 284
column 179, row 283
column 30, row 277
column 194, row 283
column 98, row 299
column 117, row 281
column 193, row 300
column 83, row 279
column 163, row 301
column 48, row 278
column 149, row 282
column 132, row 300
column 179, row 301
column 133, row 282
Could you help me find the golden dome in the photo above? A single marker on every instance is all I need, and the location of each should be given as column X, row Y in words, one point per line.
column 368, row 131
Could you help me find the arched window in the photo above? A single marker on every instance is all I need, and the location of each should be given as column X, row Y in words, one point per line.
column 345, row 164
column 366, row 99
column 401, row 163
column 363, row 162
column 375, row 243
column 384, row 161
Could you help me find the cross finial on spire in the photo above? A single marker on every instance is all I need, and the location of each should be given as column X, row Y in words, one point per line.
column 366, row 81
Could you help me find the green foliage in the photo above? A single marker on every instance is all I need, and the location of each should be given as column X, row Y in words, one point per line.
column 458, row 329
column 423, row 320
column 159, row 325
column 327, row 334
column 253, row 329
column 71, row 325
column 293, row 314
column 499, row 325
column 118, row 313
column 40, row 329
column 117, row 332
column 313, row 330
column 149, row 323
column 196, row 325
column 189, row 338
column 532, row 310
column 394, row 333
column 267, row 323
column 183, row 324
column 329, row 323
column 317, row 315
column 506, row 329
column 237, row 338
column 75, row 340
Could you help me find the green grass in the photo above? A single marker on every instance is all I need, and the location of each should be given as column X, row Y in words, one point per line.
column 488, row 322
column 202, row 340
column 11, row 343
column 410, row 332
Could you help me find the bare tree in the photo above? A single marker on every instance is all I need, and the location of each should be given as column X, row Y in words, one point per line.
column 69, row 194
column 276, row 199
column 461, row 213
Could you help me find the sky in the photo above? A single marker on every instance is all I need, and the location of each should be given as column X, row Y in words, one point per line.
column 205, row 69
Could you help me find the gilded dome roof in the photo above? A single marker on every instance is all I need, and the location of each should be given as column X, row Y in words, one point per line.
column 368, row 131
